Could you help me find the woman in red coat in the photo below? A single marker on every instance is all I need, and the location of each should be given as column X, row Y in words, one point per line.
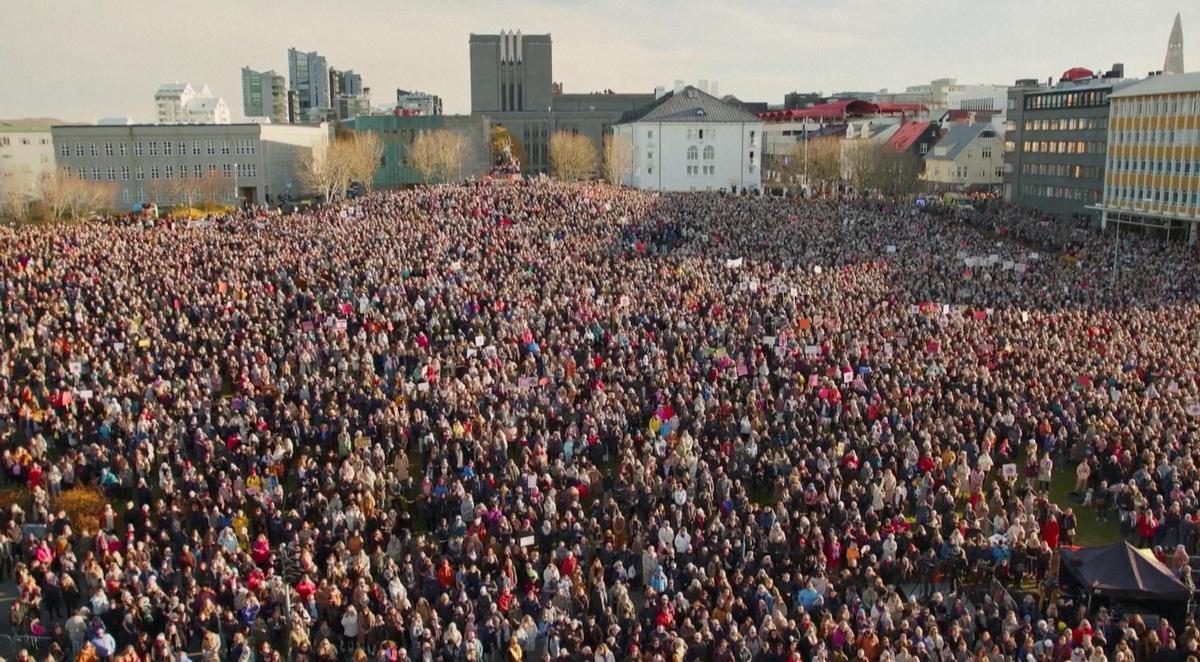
column 1050, row 531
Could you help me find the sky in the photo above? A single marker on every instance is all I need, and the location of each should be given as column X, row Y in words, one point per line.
column 79, row 60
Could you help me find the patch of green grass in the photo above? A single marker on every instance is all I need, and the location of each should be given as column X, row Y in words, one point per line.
column 1090, row 531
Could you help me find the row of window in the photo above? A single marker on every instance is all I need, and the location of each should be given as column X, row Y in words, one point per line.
column 169, row 148
column 702, row 170
column 1063, row 147
column 1065, row 124
column 1052, row 100
column 961, row 172
column 1175, row 107
column 693, row 153
column 1061, row 192
column 1186, row 137
column 167, row 172
column 5, row 141
column 1157, row 196
column 1152, row 166
column 1061, row 170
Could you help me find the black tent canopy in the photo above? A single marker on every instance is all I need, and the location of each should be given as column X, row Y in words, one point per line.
column 1121, row 571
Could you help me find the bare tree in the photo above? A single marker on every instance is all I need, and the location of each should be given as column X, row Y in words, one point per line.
column 438, row 155
column 15, row 194
column 185, row 190
column 364, row 151
column 325, row 169
column 882, row 170
column 88, row 197
column 572, row 156
column 216, row 189
column 422, row 156
column 618, row 158
column 58, row 191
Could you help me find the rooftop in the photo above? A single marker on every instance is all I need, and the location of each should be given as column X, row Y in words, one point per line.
column 1174, row 84
column 689, row 105
column 957, row 138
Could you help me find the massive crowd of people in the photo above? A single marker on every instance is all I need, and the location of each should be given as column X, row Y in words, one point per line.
column 510, row 421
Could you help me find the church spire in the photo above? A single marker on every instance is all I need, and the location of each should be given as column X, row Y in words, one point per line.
column 1174, row 62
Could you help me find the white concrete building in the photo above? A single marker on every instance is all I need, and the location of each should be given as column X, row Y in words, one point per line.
column 691, row 141
column 968, row 156
column 161, row 162
column 25, row 154
column 180, row 103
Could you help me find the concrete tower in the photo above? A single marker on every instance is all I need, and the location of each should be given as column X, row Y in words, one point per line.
column 1174, row 61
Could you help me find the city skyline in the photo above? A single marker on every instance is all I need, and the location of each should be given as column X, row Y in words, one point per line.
column 623, row 46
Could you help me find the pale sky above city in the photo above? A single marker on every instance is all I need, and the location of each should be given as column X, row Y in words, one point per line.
column 79, row 60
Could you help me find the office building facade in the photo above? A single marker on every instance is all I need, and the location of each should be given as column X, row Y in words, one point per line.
column 168, row 164
column 1055, row 142
column 1153, row 158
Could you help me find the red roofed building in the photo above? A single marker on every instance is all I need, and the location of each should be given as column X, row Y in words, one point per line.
column 915, row 137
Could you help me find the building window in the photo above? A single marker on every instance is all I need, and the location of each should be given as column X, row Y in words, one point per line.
column 198, row 171
column 210, row 148
column 710, row 152
column 195, row 148
column 154, row 172
column 225, row 147
column 137, row 148
column 124, row 148
column 166, row 148
column 64, row 151
column 125, row 196
column 226, row 170
column 649, row 133
column 124, row 173
column 693, row 153
column 78, row 149
column 153, row 148
column 168, row 171
column 183, row 172
column 987, row 152
column 139, row 174
column 108, row 149
column 96, row 172
column 112, row 174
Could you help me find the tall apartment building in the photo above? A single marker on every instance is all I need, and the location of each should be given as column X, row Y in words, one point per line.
column 1153, row 159
column 171, row 163
column 1055, row 141
column 265, row 94
column 180, row 103
column 512, row 85
column 308, row 75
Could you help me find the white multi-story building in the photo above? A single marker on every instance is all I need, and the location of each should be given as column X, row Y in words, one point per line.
column 180, row 103
column 172, row 163
column 688, row 140
column 25, row 155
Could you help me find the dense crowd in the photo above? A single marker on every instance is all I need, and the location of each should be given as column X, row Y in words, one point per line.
column 541, row 421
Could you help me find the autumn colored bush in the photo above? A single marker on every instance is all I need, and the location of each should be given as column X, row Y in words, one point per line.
column 84, row 506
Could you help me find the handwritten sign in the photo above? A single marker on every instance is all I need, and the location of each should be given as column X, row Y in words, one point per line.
column 1009, row 471
column 734, row 264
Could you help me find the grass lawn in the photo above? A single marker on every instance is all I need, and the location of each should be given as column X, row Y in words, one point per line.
column 1089, row 531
